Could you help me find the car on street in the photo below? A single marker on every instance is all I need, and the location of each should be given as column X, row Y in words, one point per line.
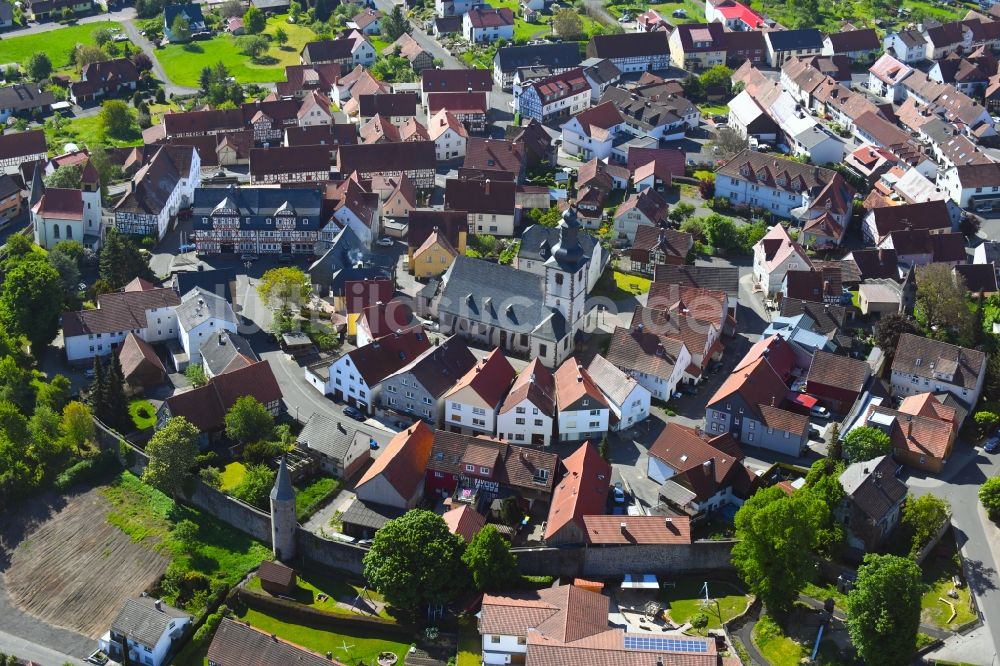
column 354, row 413
column 815, row 433
column 385, row 241
column 819, row 412
column 285, row 258
column 619, row 493
column 188, row 247
column 992, row 444
column 249, row 257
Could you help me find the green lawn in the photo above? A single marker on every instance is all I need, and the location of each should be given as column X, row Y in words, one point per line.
column 220, row 552
column 781, row 650
column 232, row 475
column 470, row 646
column 364, row 648
column 685, row 600
column 322, row 591
column 938, row 574
column 85, row 131
column 713, row 109
column 58, row 44
column 313, row 496
column 143, row 413
column 617, row 285
column 379, row 43
column 183, row 62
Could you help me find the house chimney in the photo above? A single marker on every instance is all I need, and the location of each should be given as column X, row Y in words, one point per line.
column 486, row 190
column 623, row 527
column 158, row 605
column 697, row 430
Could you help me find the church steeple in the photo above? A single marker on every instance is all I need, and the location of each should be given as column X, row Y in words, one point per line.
column 37, row 187
column 284, row 523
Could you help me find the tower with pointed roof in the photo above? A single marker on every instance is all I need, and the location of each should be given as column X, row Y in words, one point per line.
column 90, row 192
column 283, row 519
column 566, row 272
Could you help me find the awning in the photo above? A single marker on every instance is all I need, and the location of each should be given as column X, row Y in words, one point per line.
column 640, row 582
column 676, row 494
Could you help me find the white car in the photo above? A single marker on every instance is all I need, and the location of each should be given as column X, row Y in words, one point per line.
column 385, row 241
column 820, row 412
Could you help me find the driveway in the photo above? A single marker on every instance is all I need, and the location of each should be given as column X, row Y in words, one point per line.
column 120, row 15
column 169, row 87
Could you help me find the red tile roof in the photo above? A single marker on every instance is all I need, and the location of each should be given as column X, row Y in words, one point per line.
column 582, row 491
column 573, row 383
column 534, row 383
column 637, row 530
column 205, row 407
column 403, row 461
column 464, row 521
column 489, row 378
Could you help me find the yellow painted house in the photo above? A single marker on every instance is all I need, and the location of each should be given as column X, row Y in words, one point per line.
column 434, row 257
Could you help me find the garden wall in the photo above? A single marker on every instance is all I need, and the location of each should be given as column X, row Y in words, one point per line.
column 619, row 560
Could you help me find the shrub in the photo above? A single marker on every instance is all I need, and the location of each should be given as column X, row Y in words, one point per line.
column 88, row 470
column 699, row 621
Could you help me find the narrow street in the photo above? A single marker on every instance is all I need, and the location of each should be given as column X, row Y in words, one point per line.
column 426, row 41
column 35, row 653
column 169, row 87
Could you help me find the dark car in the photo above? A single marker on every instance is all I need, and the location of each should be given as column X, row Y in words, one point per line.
column 815, row 433
column 992, row 444
column 354, row 413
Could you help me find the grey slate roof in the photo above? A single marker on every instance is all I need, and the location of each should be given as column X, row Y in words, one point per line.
column 600, row 70
column 257, row 205
column 564, row 54
column 515, row 298
column 199, row 305
column 334, row 437
column 218, row 351
column 282, row 490
column 873, row 487
column 139, row 620
column 537, row 243
column 789, row 40
column 349, row 259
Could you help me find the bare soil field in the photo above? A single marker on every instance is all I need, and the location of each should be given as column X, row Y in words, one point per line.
column 74, row 568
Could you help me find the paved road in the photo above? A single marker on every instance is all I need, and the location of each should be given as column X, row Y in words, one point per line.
column 169, row 87
column 120, row 15
column 978, row 538
column 426, row 41
column 43, row 656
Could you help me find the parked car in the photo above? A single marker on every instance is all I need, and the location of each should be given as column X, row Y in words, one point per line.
column 249, row 257
column 619, row 493
column 815, row 433
column 680, row 13
column 354, row 413
column 819, row 412
column 992, row 444
column 285, row 258
column 385, row 241
column 188, row 247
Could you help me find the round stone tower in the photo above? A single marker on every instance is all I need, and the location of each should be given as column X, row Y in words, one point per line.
column 283, row 519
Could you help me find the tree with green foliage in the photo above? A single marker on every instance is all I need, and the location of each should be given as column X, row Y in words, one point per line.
column 415, row 560
column 39, row 66
column 115, row 119
column 394, row 24
column 15, row 385
column 720, row 232
column 110, row 400
column 693, row 89
column 492, row 566
column 989, row 495
column 249, row 421
column 283, row 288
column 55, row 394
column 823, row 483
column 883, row 610
column 568, row 25
column 941, row 306
column 254, row 21
column 865, row 443
column 13, row 422
column 280, row 36
column 77, row 426
column 255, row 486
column 775, row 533
column 923, row 517
column 86, row 54
column 120, row 260
column 888, row 329
column 69, row 272
column 393, row 69
column 31, row 300
column 180, row 30
column 680, row 212
column 67, row 176
column 185, row 533
column 252, row 46
column 985, row 421
column 172, row 451
column 102, row 36
column 195, row 374
column 719, row 76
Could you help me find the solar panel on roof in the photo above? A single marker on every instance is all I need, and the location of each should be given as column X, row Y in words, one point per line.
column 651, row 643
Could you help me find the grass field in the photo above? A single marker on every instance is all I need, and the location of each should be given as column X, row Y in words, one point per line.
column 313, row 496
column 364, row 648
column 85, row 131
column 685, row 601
column 143, row 414
column 232, row 475
column 470, row 646
column 320, row 591
column 617, row 285
column 58, row 44
column 183, row 62
column 148, row 516
column 938, row 574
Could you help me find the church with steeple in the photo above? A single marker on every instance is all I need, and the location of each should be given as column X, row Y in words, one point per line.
column 59, row 213
column 534, row 308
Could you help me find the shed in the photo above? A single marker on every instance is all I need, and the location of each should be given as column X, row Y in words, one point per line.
column 276, row 578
